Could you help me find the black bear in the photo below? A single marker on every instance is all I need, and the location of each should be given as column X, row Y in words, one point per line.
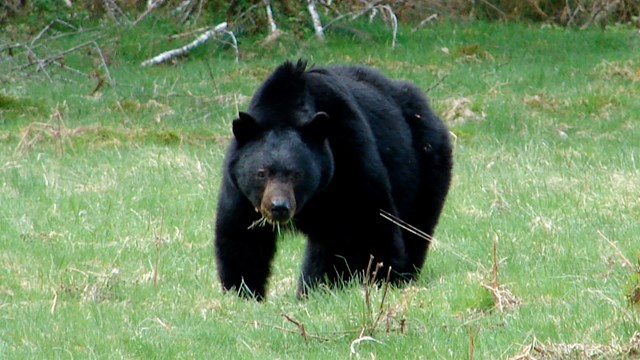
column 329, row 148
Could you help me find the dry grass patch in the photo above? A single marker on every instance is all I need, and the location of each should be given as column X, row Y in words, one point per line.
column 460, row 110
column 627, row 70
column 64, row 138
column 538, row 350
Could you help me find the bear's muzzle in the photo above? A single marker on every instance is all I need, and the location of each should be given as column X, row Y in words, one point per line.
column 278, row 202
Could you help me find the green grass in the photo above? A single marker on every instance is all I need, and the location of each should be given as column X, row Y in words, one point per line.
column 107, row 200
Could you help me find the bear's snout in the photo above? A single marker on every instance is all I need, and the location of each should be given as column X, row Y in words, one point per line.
column 280, row 210
column 278, row 203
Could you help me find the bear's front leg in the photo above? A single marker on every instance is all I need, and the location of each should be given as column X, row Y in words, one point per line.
column 243, row 255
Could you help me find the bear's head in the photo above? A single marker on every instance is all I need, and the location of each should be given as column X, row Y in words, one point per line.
column 278, row 169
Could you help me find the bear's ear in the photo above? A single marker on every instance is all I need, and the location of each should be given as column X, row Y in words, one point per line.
column 317, row 128
column 245, row 128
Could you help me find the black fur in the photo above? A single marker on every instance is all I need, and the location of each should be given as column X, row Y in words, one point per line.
column 349, row 142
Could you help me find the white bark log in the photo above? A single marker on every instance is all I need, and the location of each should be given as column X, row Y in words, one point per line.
column 317, row 25
column 167, row 55
column 272, row 22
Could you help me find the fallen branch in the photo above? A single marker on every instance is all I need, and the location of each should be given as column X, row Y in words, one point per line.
column 170, row 54
column 187, row 34
column 299, row 325
column 46, row 28
column 41, row 63
column 104, row 64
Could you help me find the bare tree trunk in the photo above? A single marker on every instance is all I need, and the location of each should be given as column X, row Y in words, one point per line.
column 317, row 25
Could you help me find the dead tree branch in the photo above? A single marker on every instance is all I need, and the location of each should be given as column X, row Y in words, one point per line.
column 373, row 9
column 104, row 64
column 170, row 54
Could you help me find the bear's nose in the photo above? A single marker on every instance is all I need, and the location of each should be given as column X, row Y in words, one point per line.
column 280, row 210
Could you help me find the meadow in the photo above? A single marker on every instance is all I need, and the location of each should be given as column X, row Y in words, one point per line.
column 109, row 175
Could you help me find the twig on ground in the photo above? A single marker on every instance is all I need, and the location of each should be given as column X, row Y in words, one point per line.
column 373, row 317
column 367, row 283
column 299, row 325
column 54, row 302
column 381, row 310
column 437, row 83
column 625, row 261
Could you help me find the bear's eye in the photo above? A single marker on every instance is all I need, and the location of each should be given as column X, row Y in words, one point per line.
column 261, row 174
column 296, row 176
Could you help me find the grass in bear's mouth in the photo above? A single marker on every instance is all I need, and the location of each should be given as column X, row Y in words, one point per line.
column 278, row 227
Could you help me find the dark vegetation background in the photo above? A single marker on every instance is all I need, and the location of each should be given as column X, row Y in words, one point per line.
column 249, row 15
